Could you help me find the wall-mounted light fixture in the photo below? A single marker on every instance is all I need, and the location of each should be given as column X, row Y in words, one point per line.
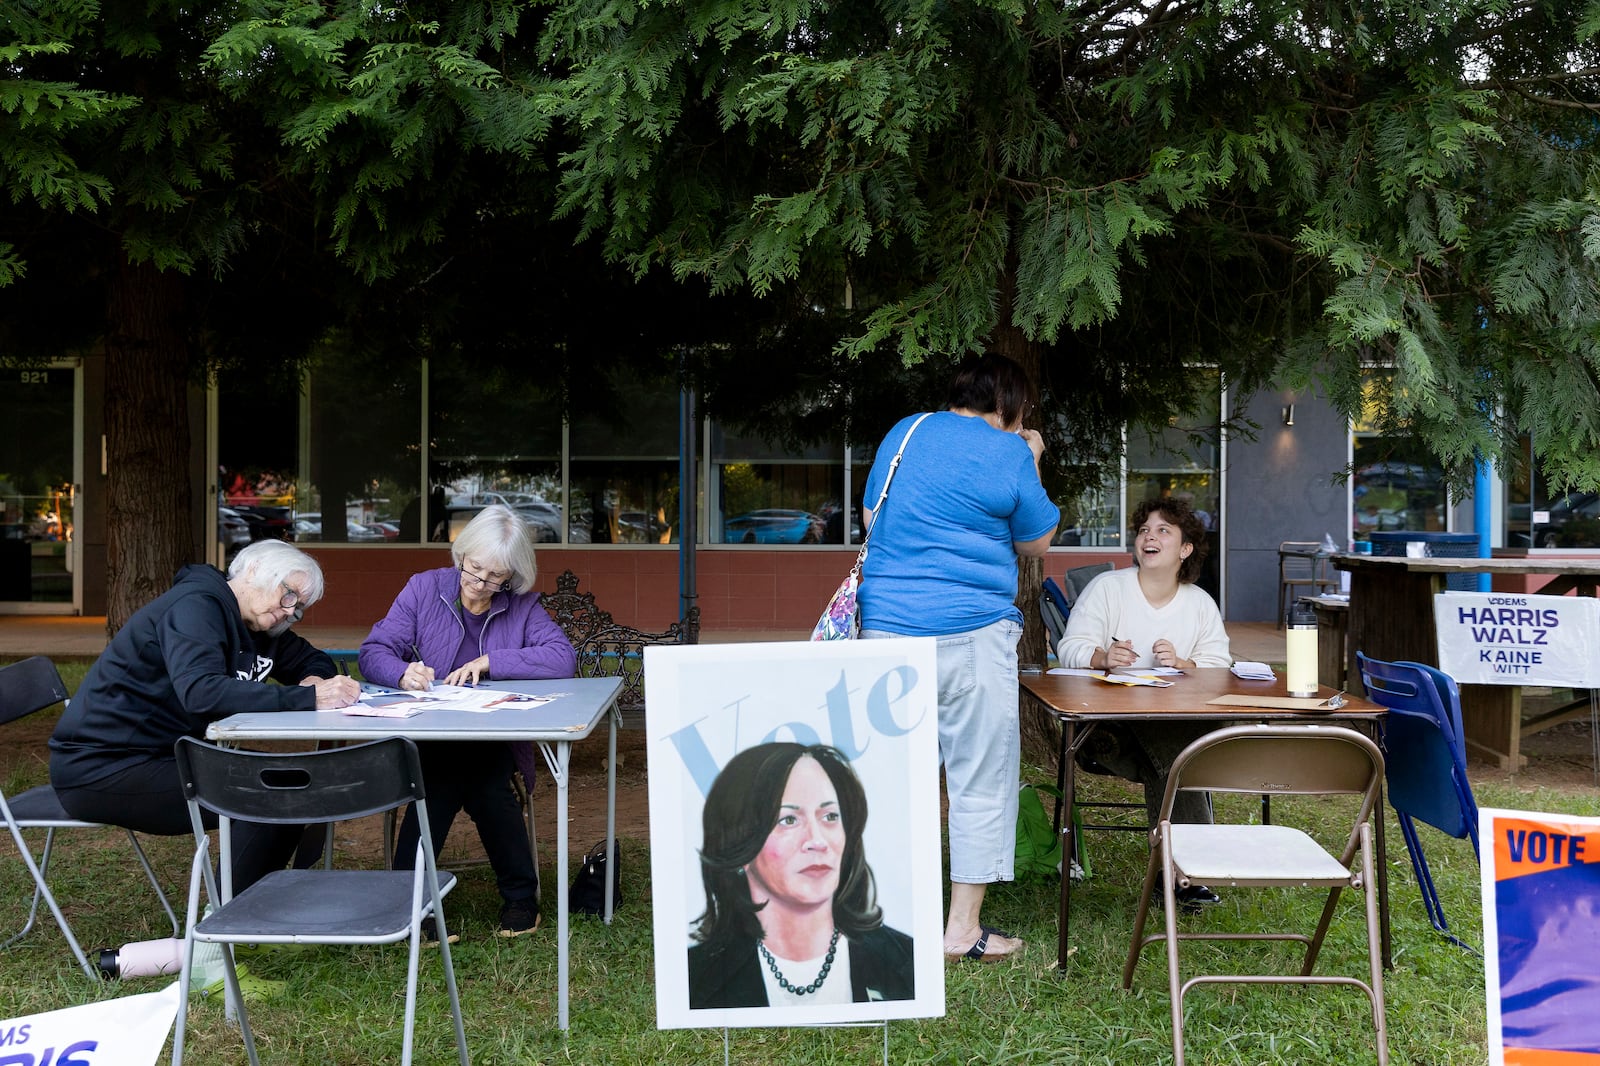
column 1288, row 414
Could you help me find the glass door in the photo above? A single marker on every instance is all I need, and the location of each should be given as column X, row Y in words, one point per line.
column 38, row 492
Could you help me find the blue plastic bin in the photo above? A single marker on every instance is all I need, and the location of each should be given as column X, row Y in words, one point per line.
column 1440, row 545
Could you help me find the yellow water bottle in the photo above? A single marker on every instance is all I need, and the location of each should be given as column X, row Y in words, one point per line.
column 1302, row 651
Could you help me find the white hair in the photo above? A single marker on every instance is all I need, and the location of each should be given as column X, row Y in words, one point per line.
column 268, row 563
column 499, row 539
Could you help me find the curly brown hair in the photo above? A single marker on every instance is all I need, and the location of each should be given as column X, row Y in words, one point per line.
column 1177, row 512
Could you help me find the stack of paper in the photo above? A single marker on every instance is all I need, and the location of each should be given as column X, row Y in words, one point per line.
column 1253, row 671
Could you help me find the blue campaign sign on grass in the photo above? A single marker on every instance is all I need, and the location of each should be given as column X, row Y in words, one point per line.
column 1498, row 638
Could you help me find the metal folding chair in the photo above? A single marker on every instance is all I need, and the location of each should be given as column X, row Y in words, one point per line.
column 1301, row 564
column 25, row 687
column 1426, row 756
column 316, row 906
column 1078, row 578
column 1284, row 760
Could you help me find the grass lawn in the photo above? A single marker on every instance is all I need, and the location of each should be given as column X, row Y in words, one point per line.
column 345, row 1005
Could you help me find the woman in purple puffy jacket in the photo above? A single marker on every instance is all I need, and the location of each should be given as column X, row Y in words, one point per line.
column 478, row 620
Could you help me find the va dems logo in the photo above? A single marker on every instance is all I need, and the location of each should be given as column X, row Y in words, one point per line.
column 16, row 1035
column 258, row 672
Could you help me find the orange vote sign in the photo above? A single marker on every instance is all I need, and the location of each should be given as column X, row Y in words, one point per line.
column 1523, row 847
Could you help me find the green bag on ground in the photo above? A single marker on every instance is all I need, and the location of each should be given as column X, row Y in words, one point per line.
column 1038, row 846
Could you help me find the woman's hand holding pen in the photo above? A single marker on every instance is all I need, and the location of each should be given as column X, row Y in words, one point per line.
column 417, row 678
column 471, row 673
column 1120, row 653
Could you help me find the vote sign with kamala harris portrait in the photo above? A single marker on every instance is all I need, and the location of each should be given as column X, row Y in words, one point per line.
column 794, row 832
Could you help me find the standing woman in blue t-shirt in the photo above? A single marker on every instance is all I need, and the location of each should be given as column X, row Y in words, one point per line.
column 965, row 502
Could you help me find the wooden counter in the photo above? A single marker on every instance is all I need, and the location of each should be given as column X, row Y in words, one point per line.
column 1391, row 617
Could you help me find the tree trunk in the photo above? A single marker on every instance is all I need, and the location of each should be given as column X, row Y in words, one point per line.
column 1040, row 730
column 147, row 439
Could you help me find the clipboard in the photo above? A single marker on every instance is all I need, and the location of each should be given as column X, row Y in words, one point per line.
column 1280, row 703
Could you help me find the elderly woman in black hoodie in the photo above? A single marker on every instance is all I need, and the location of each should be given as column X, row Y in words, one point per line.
column 194, row 655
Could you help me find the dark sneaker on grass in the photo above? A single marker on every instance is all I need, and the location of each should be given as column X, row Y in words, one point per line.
column 1190, row 899
column 430, row 934
column 519, row 916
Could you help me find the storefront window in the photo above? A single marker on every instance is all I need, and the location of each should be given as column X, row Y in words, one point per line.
column 258, row 457
column 37, row 494
column 764, row 494
column 1539, row 516
column 360, row 467
column 494, row 437
column 1093, row 518
column 1184, row 461
column 624, row 465
column 1396, row 483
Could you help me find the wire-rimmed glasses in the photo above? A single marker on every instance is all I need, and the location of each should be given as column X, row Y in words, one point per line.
column 482, row 581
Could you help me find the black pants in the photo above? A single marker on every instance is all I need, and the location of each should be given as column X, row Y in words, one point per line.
column 1144, row 752
column 476, row 778
column 147, row 797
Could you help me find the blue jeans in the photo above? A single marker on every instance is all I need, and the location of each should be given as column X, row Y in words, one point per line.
column 980, row 744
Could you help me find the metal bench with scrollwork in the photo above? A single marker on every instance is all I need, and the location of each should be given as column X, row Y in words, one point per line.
column 608, row 649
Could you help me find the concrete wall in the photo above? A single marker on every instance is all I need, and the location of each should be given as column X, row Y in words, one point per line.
column 1280, row 487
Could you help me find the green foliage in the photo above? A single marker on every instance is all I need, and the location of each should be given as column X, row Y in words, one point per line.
column 1111, row 193
column 1407, row 186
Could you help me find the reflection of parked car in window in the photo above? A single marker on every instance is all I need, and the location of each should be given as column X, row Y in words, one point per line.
column 772, row 526
column 544, row 518
column 639, row 527
column 1087, row 536
column 308, row 527
column 233, row 532
column 832, row 516
column 1368, row 519
column 266, row 522
column 1399, row 475
column 1567, row 524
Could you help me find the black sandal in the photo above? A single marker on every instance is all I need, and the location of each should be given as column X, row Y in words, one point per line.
column 979, row 951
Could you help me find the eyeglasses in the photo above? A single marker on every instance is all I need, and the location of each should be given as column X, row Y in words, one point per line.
column 290, row 596
column 497, row 584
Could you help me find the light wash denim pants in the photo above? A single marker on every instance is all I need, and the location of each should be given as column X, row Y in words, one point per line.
column 980, row 744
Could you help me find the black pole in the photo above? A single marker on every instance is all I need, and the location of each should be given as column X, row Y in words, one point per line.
column 688, row 493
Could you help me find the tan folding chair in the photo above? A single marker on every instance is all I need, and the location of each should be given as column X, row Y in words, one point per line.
column 1308, row 760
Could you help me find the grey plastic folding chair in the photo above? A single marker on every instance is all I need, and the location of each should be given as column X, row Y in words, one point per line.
column 1284, row 760
column 316, row 906
column 25, row 687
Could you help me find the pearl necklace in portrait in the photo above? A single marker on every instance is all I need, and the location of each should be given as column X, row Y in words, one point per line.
column 822, row 975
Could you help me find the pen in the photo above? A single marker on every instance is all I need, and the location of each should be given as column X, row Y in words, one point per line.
column 1114, row 642
column 416, row 657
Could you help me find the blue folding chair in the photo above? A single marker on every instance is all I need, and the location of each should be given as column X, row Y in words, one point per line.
column 1426, row 758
